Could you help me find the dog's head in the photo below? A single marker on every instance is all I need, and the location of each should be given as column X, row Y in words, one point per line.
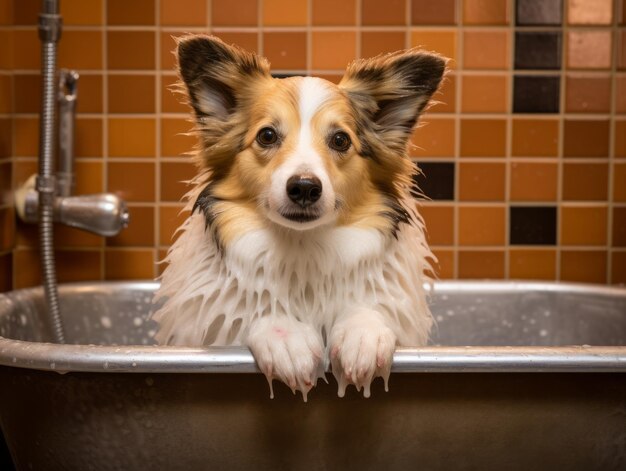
column 303, row 152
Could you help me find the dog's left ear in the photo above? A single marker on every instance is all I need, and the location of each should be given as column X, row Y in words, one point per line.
column 392, row 90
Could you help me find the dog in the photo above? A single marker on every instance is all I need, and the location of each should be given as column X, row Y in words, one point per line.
column 304, row 242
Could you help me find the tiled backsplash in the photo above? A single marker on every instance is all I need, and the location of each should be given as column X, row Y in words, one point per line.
column 524, row 157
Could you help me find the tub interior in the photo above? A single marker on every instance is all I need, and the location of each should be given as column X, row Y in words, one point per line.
column 466, row 314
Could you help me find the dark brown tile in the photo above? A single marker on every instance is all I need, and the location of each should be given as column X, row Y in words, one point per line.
column 618, row 268
column 620, row 138
column 6, row 177
column 285, row 50
column 27, row 89
column 26, row 12
column 135, row 13
column 586, row 138
column 6, row 139
column 75, row 265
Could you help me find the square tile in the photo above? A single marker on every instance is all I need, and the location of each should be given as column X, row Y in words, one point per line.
column 534, row 181
column 482, row 181
column 483, row 137
column 81, row 13
column 483, row 264
column 535, row 137
column 535, row 264
column 131, row 93
column 486, row 49
column 6, row 139
column 444, row 100
column 78, row 265
column 589, row 49
column 585, row 182
column 247, row 41
column 485, row 12
column 26, row 93
column 587, row 94
column 427, row 12
column 436, row 180
column 333, row 49
column 380, row 42
column 135, row 13
column 168, row 50
column 89, row 177
column 177, row 137
column 229, row 13
column 91, row 93
column 536, row 94
column 539, row 12
column 130, row 50
column 584, row 266
column 388, row 13
column 140, row 233
column 132, row 137
column 6, row 272
column 619, row 227
column 285, row 50
column 439, row 224
column 620, row 92
column 440, row 41
column 170, row 219
column 6, row 178
column 618, row 268
column 171, row 100
column 88, row 138
column 444, row 266
column 590, row 12
column 586, row 138
column 619, row 182
column 81, row 50
column 538, row 50
column 532, row 225
column 481, row 225
column 7, row 228
column 433, row 138
column 484, row 94
column 333, row 13
column 581, row 225
column 125, row 264
column 187, row 12
column 133, row 181
column 621, row 50
column 174, row 179
column 620, row 138
column 66, row 237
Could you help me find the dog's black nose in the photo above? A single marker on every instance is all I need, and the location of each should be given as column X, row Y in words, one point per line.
column 304, row 189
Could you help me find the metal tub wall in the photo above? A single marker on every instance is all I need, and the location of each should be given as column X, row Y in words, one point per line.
column 122, row 403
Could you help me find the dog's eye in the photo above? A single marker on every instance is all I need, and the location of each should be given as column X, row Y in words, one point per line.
column 266, row 137
column 340, row 141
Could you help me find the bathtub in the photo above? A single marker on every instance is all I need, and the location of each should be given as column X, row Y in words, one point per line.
column 519, row 376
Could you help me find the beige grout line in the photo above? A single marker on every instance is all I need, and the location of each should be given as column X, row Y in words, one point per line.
column 105, row 129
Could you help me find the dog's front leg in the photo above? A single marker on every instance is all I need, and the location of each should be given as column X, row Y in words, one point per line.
column 361, row 349
column 287, row 350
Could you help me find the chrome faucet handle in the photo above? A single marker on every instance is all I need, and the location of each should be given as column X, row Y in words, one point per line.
column 104, row 214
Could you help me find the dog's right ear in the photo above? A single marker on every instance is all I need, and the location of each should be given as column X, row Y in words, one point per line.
column 216, row 75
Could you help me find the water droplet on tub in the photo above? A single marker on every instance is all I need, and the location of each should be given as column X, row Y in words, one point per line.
column 106, row 322
column 543, row 332
column 137, row 321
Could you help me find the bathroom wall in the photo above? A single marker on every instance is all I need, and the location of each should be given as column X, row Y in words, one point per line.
column 524, row 157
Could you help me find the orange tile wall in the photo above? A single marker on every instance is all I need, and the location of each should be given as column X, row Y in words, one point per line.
column 131, row 129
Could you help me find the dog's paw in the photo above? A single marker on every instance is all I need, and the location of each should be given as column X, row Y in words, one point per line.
column 287, row 350
column 361, row 349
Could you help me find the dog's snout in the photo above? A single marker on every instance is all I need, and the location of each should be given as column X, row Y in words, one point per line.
column 304, row 189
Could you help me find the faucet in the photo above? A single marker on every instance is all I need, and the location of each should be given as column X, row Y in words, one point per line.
column 104, row 214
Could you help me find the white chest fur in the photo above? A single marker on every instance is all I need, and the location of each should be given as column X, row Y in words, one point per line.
column 212, row 297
